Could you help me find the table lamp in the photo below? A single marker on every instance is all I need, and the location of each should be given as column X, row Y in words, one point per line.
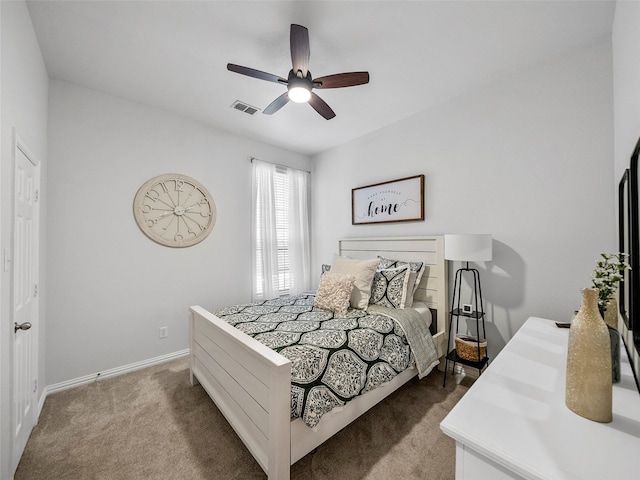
column 467, row 248
column 476, row 247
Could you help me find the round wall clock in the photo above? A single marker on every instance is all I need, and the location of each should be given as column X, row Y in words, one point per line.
column 174, row 210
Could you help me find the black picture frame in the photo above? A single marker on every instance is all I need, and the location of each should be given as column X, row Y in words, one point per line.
column 634, row 259
column 400, row 200
column 625, row 297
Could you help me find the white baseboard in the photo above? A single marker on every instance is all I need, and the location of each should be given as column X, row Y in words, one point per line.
column 43, row 397
column 112, row 372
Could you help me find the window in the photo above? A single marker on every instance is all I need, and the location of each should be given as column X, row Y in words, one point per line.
column 281, row 204
column 280, row 231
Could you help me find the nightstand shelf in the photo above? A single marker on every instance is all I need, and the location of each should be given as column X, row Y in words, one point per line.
column 453, row 356
column 473, row 314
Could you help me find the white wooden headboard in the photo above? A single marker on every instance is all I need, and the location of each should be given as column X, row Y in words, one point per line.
column 433, row 288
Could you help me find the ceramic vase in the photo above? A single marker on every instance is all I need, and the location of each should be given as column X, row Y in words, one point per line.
column 589, row 389
column 614, row 338
column 610, row 316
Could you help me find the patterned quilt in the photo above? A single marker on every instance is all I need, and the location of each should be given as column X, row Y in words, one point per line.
column 334, row 357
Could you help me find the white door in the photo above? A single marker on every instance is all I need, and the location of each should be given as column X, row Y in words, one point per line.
column 25, row 305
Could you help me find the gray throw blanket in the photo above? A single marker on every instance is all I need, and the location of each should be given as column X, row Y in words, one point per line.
column 417, row 333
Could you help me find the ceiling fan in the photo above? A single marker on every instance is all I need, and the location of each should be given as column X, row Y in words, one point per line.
column 299, row 82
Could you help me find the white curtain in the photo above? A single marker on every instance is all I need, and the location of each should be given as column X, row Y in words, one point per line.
column 263, row 232
column 287, row 269
column 299, row 262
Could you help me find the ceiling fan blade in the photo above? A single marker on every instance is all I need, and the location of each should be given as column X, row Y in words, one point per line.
column 299, row 40
column 339, row 80
column 277, row 104
column 321, row 106
column 252, row 72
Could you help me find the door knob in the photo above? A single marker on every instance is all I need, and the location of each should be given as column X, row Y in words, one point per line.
column 22, row 326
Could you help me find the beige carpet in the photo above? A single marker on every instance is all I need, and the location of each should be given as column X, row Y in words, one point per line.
column 151, row 424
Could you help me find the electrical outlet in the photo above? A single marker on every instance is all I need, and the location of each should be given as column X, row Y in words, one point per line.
column 164, row 332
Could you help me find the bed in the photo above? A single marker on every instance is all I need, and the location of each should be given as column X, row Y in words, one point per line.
column 251, row 383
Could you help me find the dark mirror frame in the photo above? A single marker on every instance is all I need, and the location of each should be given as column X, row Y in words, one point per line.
column 625, row 298
column 634, row 259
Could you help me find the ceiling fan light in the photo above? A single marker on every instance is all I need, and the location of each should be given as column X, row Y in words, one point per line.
column 299, row 94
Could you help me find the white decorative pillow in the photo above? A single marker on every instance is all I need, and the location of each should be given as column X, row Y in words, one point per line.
column 334, row 292
column 363, row 270
column 417, row 267
column 390, row 287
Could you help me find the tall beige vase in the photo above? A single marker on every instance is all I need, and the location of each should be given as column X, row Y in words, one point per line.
column 589, row 384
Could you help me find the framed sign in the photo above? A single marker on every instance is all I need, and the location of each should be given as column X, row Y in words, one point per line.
column 395, row 201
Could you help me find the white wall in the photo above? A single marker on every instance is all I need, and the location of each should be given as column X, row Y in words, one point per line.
column 527, row 159
column 110, row 287
column 626, row 98
column 23, row 100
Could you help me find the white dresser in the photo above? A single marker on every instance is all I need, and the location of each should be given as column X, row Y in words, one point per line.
column 513, row 422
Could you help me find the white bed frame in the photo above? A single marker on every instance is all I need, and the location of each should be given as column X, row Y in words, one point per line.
column 251, row 384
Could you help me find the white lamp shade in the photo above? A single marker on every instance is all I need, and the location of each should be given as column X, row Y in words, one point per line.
column 475, row 247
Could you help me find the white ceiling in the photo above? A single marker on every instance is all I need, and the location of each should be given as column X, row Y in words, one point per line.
column 172, row 55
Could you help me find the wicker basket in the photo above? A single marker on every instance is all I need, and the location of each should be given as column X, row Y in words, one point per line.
column 467, row 348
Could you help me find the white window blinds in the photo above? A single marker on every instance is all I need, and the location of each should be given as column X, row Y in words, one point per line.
column 280, row 230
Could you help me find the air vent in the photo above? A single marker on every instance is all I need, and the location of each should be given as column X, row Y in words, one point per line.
column 244, row 107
